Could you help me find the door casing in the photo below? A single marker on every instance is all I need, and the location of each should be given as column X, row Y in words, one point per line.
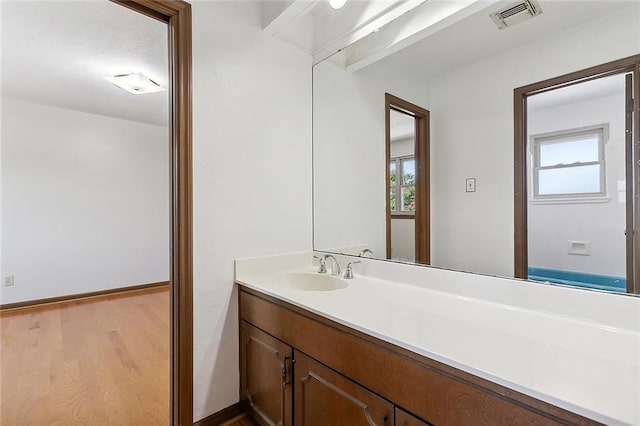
column 177, row 15
column 422, row 156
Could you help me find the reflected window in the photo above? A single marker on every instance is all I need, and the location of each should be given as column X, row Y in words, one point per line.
column 569, row 163
column 402, row 176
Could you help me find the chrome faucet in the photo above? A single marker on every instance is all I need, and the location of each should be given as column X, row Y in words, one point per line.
column 335, row 268
column 322, row 269
column 364, row 252
column 348, row 274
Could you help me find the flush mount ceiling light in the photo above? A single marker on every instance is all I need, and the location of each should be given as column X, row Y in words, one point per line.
column 337, row 4
column 135, row 83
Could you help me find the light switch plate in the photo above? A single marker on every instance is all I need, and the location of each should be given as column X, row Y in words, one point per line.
column 471, row 184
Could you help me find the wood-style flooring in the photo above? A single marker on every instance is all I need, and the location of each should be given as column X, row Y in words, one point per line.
column 243, row 420
column 97, row 361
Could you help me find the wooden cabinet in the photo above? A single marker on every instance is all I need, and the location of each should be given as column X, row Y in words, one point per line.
column 346, row 377
column 265, row 376
column 405, row 419
column 324, row 397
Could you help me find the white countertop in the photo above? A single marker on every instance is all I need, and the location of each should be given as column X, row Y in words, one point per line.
column 574, row 363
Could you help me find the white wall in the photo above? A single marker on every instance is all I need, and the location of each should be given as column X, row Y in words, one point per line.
column 472, row 136
column 403, row 239
column 85, row 202
column 251, row 170
column 551, row 226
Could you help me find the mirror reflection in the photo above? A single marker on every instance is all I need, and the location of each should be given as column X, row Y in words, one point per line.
column 463, row 71
column 577, row 208
column 402, row 186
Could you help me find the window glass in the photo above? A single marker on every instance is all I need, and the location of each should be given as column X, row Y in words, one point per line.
column 402, row 180
column 569, row 163
column 582, row 150
column 393, row 179
column 409, row 172
column 569, row 180
column 392, row 199
column 408, row 198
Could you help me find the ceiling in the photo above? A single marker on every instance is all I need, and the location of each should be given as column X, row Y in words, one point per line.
column 476, row 37
column 57, row 52
column 318, row 29
column 402, row 126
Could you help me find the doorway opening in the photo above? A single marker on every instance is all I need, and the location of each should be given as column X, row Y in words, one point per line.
column 176, row 18
column 407, row 175
column 177, row 15
column 576, row 178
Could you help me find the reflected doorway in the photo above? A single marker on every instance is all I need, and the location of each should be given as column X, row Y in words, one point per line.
column 407, row 171
column 575, row 198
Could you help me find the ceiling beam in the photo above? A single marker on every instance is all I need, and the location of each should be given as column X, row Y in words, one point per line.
column 278, row 14
column 360, row 30
column 425, row 20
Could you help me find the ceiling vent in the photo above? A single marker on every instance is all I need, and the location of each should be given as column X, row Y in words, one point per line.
column 515, row 13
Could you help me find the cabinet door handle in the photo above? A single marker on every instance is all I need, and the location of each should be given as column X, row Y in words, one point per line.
column 385, row 419
column 285, row 372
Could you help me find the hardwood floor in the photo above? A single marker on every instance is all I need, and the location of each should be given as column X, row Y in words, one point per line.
column 99, row 361
column 243, row 420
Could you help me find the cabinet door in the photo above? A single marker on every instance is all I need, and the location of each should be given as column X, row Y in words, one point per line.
column 265, row 376
column 324, row 397
column 405, row 419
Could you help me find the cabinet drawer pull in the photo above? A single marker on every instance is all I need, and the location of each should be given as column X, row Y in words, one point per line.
column 285, row 372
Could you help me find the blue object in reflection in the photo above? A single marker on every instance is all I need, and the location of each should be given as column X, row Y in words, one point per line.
column 578, row 279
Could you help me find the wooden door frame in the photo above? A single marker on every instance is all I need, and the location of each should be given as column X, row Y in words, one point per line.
column 177, row 15
column 423, row 170
column 629, row 64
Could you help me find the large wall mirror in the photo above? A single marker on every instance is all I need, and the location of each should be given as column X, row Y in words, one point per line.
column 464, row 74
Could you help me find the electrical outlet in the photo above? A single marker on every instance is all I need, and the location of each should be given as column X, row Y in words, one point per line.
column 8, row 280
column 471, row 184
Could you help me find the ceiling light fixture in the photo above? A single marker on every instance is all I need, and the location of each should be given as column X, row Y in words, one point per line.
column 135, row 83
column 337, row 4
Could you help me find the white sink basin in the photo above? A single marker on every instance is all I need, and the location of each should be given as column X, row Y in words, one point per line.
column 311, row 281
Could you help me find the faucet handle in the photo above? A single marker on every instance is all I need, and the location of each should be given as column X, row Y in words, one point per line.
column 348, row 274
column 322, row 266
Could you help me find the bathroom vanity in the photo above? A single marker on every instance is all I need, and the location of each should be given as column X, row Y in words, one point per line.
column 375, row 352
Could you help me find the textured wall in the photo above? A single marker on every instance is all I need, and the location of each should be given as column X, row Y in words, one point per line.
column 252, row 174
column 85, row 202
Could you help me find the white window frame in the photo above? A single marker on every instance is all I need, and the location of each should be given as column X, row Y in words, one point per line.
column 601, row 131
column 398, row 186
